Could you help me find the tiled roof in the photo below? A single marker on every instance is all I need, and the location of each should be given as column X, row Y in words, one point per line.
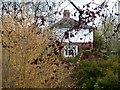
column 67, row 22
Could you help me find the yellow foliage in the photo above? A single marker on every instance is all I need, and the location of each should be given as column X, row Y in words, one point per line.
column 21, row 47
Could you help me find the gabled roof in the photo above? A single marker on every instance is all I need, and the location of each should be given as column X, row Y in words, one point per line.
column 67, row 22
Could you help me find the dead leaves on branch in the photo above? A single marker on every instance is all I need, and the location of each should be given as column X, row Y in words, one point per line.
column 33, row 62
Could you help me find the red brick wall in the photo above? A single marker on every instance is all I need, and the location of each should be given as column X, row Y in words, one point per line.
column 82, row 45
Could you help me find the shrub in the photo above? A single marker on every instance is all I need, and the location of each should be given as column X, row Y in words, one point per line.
column 98, row 41
column 96, row 74
column 28, row 61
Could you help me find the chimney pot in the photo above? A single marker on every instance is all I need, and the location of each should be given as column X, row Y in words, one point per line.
column 66, row 13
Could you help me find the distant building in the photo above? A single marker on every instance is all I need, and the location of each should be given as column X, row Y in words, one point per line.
column 77, row 39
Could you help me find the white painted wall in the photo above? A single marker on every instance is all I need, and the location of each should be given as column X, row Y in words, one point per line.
column 76, row 39
column 77, row 35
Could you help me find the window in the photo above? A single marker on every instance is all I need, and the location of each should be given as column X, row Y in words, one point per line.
column 66, row 52
column 70, row 51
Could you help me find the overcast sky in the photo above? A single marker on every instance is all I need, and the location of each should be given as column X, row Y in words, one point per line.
column 83, row 2
column 66, row 5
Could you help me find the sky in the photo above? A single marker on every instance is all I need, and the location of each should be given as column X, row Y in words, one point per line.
column 67, row 6
column 83, row 2
column 80, row 3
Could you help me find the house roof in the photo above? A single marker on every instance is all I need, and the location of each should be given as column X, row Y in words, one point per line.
column 67, row 22
column 84, row 34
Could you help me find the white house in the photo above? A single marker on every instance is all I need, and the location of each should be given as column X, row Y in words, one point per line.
column 76, row 39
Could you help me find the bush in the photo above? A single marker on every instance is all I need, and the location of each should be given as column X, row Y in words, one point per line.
column 96, row 74
column 29, row 61
column 92, row 54
column 98, row 41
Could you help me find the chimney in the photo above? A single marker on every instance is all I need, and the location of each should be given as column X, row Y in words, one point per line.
column 66, row 13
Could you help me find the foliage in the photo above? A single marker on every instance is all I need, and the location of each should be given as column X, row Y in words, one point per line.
column 31, row 57
column 93, row 53
column 109, row 33
column 96, row 74
column 98, row 41
column 28, row 59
